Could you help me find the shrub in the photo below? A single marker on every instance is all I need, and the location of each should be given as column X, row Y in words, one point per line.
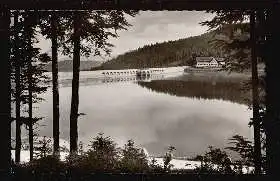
column 133, row 159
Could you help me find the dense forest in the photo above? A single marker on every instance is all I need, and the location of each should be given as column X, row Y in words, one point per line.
column 171, row 53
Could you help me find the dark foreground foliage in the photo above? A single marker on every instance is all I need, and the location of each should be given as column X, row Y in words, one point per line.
column 103, row 160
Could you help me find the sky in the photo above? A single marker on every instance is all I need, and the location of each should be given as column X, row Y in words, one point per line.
column 149, row 27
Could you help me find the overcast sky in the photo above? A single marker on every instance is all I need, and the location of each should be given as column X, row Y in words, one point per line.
column 150, row 27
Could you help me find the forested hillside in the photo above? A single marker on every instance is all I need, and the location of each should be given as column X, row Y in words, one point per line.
column 171, row 53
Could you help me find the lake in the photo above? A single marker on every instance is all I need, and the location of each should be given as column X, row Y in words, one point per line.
column 155, row 114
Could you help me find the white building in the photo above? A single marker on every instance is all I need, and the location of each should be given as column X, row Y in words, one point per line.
column 209, row 62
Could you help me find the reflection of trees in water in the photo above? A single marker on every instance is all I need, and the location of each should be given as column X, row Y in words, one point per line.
column 225, row 90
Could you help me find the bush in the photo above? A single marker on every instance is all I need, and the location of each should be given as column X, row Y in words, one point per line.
column 133, row 159
column 214, row 161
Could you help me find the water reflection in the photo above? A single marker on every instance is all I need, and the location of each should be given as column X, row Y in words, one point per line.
column 228, row 91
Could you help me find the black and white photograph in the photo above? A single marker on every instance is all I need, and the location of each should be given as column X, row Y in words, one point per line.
column 140, row 89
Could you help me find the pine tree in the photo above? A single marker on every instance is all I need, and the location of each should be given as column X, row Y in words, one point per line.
column 17, row 86
column 239, row 39
column 52, row 27
column 91, row 31
column 245, row 149
column 28, row 75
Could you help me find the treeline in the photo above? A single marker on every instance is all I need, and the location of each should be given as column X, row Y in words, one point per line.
column 170, row 53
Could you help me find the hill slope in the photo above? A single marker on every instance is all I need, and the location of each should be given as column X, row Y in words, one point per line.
column 67, row 65
column 171, row 53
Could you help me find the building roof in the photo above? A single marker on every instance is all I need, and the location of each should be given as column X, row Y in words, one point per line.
column 204, row 59
column 209, row 59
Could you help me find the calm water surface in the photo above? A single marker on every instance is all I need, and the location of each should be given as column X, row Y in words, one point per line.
column 153, row 119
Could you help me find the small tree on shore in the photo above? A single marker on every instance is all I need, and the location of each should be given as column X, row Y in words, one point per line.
column 167, row 158
column 133, row 158
column 214, row 161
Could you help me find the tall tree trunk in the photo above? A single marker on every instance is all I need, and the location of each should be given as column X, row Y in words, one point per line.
column 18, row 90
column 30, row 113
column 255, row 94
column 272, row 119
column 5, row 111
column 30, row 81
column 75, row 87
column 54, row 22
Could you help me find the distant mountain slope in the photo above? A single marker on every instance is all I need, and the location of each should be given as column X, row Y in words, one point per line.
column 171, row 53
column 66, row 65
